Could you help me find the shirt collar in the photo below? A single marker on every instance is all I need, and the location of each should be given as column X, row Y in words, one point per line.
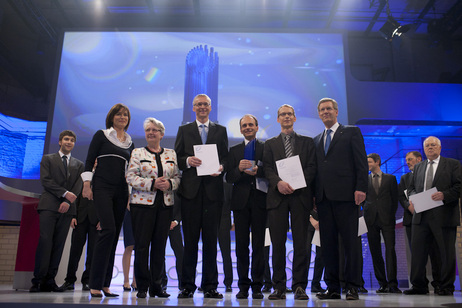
column 333, row 128
column 207, row 124
column 436, row 160
column 61, row 154
column 111, row 135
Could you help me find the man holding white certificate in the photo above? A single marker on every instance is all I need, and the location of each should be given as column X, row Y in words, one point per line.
column 437, row 223
column 201, row 192
column 289, row 192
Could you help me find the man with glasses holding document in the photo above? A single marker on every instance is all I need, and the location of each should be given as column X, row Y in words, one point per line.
column 290, row 167
column 440, row 176
column 201, row 193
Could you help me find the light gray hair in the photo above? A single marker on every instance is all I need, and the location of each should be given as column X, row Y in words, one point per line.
column 156, row 122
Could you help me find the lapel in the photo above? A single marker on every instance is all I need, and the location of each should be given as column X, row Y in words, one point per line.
column 212, row 131
column 59, row 161
column 196, row 134
column 439, row 170
column 297, row 144
column 338, row 134
column 280, row 148
column 259, row 150
column 371, row 190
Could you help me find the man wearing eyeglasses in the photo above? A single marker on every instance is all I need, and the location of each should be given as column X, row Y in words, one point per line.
column 341, row 186
column 282, row 199
column 201, row 198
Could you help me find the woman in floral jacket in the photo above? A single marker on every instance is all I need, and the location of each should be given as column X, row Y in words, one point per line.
column 153, row 175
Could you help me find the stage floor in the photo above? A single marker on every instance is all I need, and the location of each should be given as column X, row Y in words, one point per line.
column 22, row 298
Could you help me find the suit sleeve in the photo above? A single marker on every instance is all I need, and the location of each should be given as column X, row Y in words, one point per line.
column 47, row 180
column 268, row 163
column 452, row 194
column 360, row 160
column 233, row 173
column 394, row 194
column 401, row 194
column 180, row 149
column 310, row 168
column 222, row 147
column 77, row 187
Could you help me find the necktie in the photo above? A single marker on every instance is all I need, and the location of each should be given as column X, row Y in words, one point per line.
column 429, row 176
column 203, row 133
column 375, row 183
column 288, row 146
column 65, row 164
column 328, row 139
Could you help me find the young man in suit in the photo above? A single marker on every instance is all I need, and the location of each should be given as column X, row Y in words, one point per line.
column 248, row 204
column 341, row 186
column 60, row 177
column 201, row 198
column 413, row 158
column 379, row 214
column 282, row 199
column 439, row 223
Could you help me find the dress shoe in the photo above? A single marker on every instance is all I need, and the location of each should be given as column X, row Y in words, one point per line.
column 300, row 294
column 362, row 290
column 289, row 290
column 382, row 289
column 54, row 288
column 185, row 294
column 242, row 295
column 415, row 291
column 35, row 288
column 161, row 293
column 141, row 294
column 277, row 294
column 127, row 289
column 134, row 288
column 85, row 287
column 317, row 289
column 436, row 289
column 200, row 289
column 352, row 294
column 328, row 295
column 266, row 289
column 228, row 289
column 257, row 295
column 213, row 294
column 444, row 292
column 67, row 286
column 109, row 294
column 394, row 290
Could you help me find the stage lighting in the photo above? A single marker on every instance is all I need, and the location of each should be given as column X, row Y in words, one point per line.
column 392, row 29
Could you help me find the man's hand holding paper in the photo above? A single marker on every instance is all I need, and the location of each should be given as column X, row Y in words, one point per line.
column 426, row 200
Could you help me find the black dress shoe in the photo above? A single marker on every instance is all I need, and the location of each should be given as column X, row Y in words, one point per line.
column 67, row 286
column 228, row 289
column 54, row 288
column 140, row 294
column 300, row 294
column 415, row 291
column 382, row 289
column 394, row 290
column 317, row 289
column 185, row 294
column 277, row 294
column 200, row 289
column 109, row 294
column 289, row 290
column 352, row 294
column 213, row 294
column 242, row 295
column 328, row 295
column 266, row 289
column 35, row 288
column 257, row 295
column 362, row 290
column 85, row 287
column 128, row 289
column 445, row 292
column 161, row 293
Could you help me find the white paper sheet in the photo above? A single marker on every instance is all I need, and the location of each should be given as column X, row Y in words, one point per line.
column 423, row 201
column 316, row 238
column 290, row 171
column 362, row 227
column 208, row 153
column 267, row 237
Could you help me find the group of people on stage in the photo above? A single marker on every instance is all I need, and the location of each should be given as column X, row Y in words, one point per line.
column 333, row 166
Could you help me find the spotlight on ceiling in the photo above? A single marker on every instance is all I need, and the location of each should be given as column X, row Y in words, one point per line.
column 392, row 29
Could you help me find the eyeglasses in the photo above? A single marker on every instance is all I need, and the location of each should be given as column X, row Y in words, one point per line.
column 284, row 114
column 153, row 130
column 202, row 104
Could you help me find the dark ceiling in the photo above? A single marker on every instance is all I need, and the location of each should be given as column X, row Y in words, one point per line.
column 30, row 29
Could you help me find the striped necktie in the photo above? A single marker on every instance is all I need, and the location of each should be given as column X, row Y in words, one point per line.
column 288, row 146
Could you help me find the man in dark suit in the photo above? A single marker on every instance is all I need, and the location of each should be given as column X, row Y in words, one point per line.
column 379, row 214
column 440, row 223
column 60, row 177
column 201, row 198
column 282, row 199
column 341, row 186
column 84, row 226
column 412, row 158
column 248, row 204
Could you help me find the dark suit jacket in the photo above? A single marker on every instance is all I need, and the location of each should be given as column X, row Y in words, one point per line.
column 447, row 180
column 274, row 151
column 55, row 182
column 188, row 136
column 384, row 204
column 403, row 200
column 344, row 169
column 85, row 209
column 242, row 182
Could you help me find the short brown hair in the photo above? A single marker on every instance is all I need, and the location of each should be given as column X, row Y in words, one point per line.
column 417, row 154
column 67, row 132
column 375, row 157
column 250, row 116
column 328, row 99
column 288, row 106
column 114, row 110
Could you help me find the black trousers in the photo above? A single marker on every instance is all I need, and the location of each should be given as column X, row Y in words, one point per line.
column 54, row 227
column 224, row 241
column 318, row 262
column 200, row 215
column 151, row 225
column 110, row 203
column 80, row 233
column 176, row 242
